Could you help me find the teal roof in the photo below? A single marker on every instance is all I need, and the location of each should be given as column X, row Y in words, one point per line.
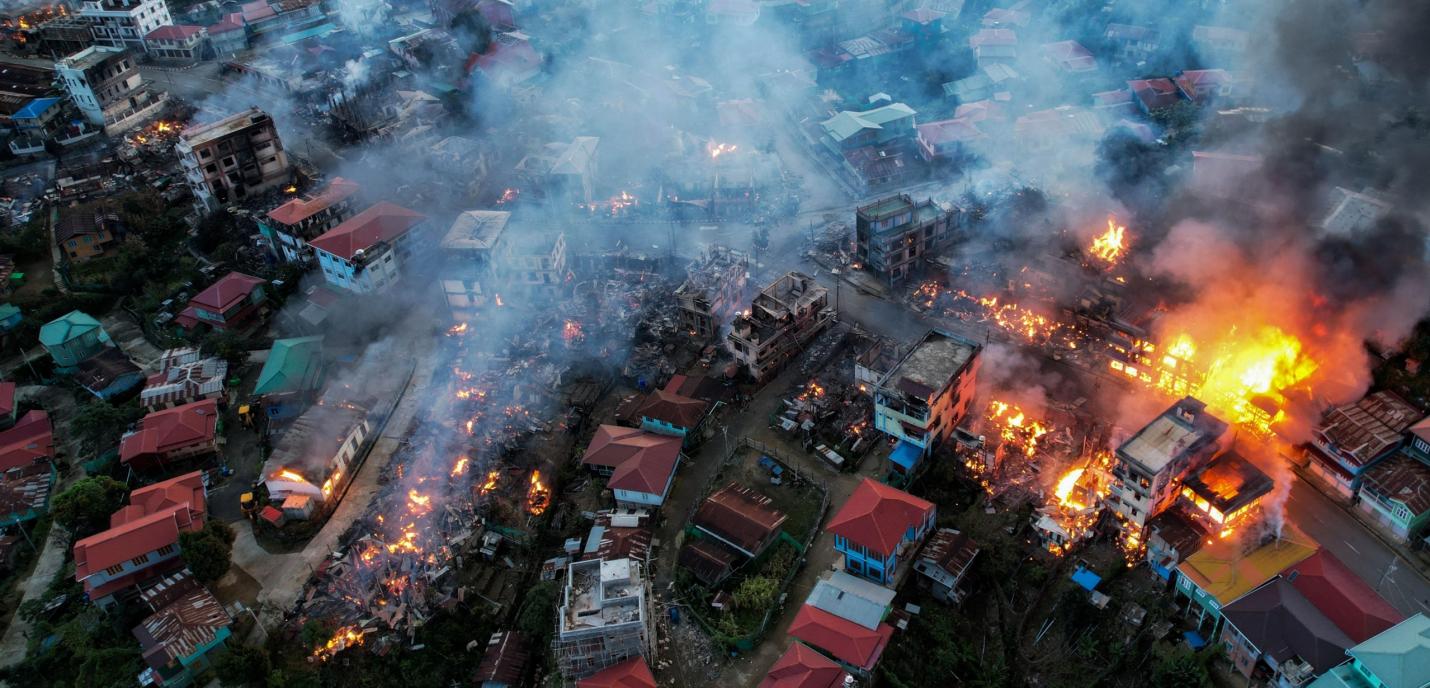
column 317, row 31
column 1400, row 655
column 66, row 328
column 848, row 123
column 8, row 310
column 293, row 365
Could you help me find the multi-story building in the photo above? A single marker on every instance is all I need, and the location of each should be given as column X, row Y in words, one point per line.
column 233, row 158
column 534, row 262
column 891, row 235
column 172, row 434
column 232, row 303
column 105, row 85
column 364, row 254
column 782, row 318
column 469, row 252
column 878, row 527
column 1353, row 437
column 142, row 542
column 124, row 23
column 926, row 396
column 87, row 231
column 713, row 291
column 604, row 617
column 181, row 43
column 289, row 227
column 1151, row 464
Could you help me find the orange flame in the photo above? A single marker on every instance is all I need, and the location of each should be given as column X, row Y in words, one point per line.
column 344, row 638
column 1110, row 246
column 538, row 495
column 460, row 467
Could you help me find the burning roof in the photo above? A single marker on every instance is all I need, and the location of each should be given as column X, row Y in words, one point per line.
column 1228, row 483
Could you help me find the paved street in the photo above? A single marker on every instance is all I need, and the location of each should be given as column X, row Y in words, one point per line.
column 1329, row 524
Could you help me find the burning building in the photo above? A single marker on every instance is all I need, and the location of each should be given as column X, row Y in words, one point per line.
column 713, row 291
column 1225, row 494
column 604, row 617
column 234, row 158
column 106, row 86
column 470, row 251
column 1149, row 466
column 290, row 226
column 926, row 396
column 893, row 235
column 782, row 318
column 316, row 456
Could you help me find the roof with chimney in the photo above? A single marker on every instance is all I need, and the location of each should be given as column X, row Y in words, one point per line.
column 1399, row 657
column 187, row 618
column 845, row 640
column 384, row 222
column 1229, row 568
column 802, row 667
column 641, row 461
column 172, row 429
column 673, row 409
column 300, row 209
column 31, row 440
column 154, row 518
column 1351, row 604
column 1280, row 622
column 631, row 673
column 740, row 516
column 878, row 516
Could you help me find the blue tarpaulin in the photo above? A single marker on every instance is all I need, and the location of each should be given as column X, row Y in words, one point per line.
column 906, row 455
column 1086, row 578
column 1195, row 640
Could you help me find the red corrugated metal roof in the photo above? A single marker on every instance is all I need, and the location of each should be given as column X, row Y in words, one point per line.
column 30, row 440
column 382, row 222
column 7, row 398
column 801, row 667
column 679, row 411
column 230, row 22
column 877, row 516
column 631, row 673
column 173, row 32
column 223, row 294
column 171, row 430
column 299, row 209
column 847, row 641
column 1345, row 599
column 643, row 461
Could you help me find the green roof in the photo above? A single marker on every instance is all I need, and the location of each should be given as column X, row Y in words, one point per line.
column 1400, row 655
column 847, row 123
column 293, row 365
column 66, row 328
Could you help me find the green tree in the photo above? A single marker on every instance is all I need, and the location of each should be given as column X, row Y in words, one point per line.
column 1179, row 122
column 243, row 665
column 207, row 551
column 538, row 611
column 1181, row 668
column 230, row 346
column 84, row 508
column 756, row 592
column 99, row 424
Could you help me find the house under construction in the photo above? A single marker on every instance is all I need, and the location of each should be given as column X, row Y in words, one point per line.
column 604, row 617
column 713, row 291
column 783, row 318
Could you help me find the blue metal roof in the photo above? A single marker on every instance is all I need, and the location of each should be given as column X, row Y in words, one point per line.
column 906, row 454
column 35, row 108
column 1086, row 578
column 317, row 31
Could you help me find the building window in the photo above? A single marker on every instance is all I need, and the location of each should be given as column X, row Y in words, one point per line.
column 166, row 550
column 140, row 560
column 114, row 569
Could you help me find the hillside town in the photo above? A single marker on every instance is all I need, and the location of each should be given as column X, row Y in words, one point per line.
column 707, row 343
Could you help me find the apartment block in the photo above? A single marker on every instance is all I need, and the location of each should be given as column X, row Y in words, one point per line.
column 926, row 395
column 892, row 235
column 105, row 85
column 782, row 318
column 232, row 159
column 124, row 23
column 1150, row 466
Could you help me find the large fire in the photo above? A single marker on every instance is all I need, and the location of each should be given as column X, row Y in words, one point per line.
column 490, row 483
column 1110, row 246
column 290, row 475
column 345, row 637
column 718, row 149
column 418, row 503
column 1015, row 427
column 538, row 495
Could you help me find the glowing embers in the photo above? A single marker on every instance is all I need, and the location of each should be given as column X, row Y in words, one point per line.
column 572, row 332
column 460, row 466
column 417, row 503
column 489, row 484
column 509, row 196
column 812, row 390
column 1110, row 247
column 538, row 495
column 1015, row 427
column 344, row 638
column 718, row 149
column 458, row 329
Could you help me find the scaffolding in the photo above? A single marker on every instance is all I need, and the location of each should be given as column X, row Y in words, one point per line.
column 604, row 618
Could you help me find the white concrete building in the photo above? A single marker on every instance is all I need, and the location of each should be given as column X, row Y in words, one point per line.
column 124, row 23
column 105, row 85
column 364, row 254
